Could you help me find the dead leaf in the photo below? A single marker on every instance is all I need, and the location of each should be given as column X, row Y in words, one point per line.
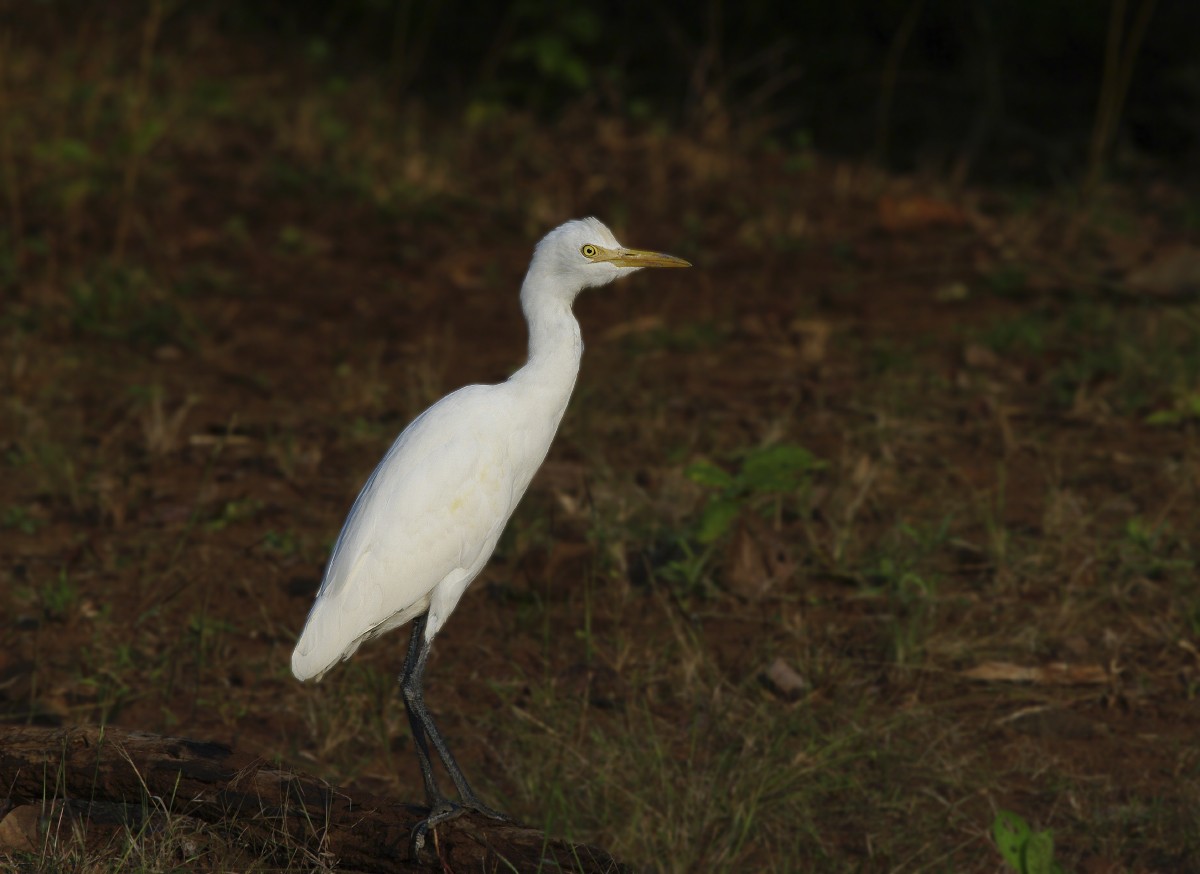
column 1054, row 674
column 784, row 680
column 981, row 357
column 812, row 336
column 746, row 572
column 863, row 471
column 913, row 213
column 1173, row 272
column 757, row 559
column 1187, row 646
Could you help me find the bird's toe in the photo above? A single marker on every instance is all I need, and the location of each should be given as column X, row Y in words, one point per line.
column 443, row 811
column 491, row 813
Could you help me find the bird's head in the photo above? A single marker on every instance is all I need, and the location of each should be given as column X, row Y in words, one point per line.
column 583, row 253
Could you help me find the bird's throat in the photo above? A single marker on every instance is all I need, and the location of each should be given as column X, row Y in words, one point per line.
column 555, row 350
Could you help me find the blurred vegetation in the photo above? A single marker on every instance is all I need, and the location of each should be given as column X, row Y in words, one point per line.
column 1023, row 89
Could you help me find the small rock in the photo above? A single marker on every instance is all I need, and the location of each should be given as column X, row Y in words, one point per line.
column 19, row 830
column 782, row 679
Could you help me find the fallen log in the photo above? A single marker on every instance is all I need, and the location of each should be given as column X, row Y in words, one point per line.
column 110, row 775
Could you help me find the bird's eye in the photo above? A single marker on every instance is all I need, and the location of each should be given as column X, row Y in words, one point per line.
column 589, row 251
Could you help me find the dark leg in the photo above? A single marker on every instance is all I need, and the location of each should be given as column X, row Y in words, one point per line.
column 421, row 722
column 433, row 795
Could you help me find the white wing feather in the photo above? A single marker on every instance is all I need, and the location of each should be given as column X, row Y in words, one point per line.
column 429, row 515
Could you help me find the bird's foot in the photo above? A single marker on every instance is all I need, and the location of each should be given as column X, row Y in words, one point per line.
column 471, row 802
column 444, row 811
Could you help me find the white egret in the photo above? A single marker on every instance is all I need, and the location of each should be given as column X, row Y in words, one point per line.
column 428, row 518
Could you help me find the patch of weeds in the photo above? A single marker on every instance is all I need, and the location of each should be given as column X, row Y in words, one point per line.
column 59, row 596
column 904, row 576
column 233, row 512
column 294, row 180
column 203, row 280
column 1025, row 851
column 1008, row 280
column 208, row 637
column 763, row 482
column 282, row 543
column 772, row 481
column 111, row 693
column 1135, row 360
column 742, row 783
column 69, row 172
column 1023, row 334
column 998, row 539
column 365, row 430
column 845, row 253
column 684, row 337
column 291, row 457
column 122, row 303
column 53, row 463
column 554, row 47
column 1087, row 368
column 295, row 241
column 211, row 98
column 357, row 702
column 885, row 358
column 236, row 231
column 1138, row 359
column 1185, row 409
column 801, row 156
column 21, row 519
column 687, row 568
column 1152, row 551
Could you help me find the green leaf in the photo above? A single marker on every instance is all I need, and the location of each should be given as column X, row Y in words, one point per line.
column 717, row 518
column 778, row 468
column 1186, row 409
column 706, row 473
column 147, row 135
column 1011, row 833
column 1164, row 417
column 66, row 151
column 1039, row 854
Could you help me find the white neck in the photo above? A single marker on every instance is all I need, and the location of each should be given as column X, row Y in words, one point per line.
column 555, row 344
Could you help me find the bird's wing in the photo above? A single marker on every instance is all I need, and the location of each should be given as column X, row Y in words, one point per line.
column 432, row 509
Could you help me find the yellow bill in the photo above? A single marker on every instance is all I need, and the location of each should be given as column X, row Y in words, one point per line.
column 640, row 258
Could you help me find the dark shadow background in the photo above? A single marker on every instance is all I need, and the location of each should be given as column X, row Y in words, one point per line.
column 981, row 89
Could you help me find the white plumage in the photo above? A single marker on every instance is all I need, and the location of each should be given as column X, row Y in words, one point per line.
column 428, row 519
column 426, row 522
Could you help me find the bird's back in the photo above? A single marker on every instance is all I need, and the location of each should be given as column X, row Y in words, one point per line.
column 429, row 515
